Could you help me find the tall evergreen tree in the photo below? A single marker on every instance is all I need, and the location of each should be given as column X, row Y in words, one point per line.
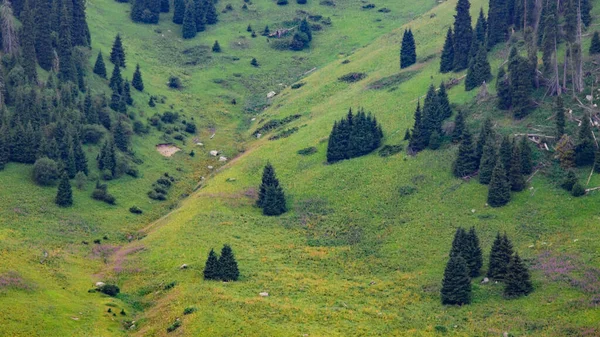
column 521, row 88
column 503, row 90
column 99, row 66
column 585, row 148
column 211, row 269
column 559, row 111
column 518, row 282
column 526, row 160
column 116, row 80
column 408, row 54
column 479, row 70
column 506, row 151
column 486, row 133
column 178, row 11
column 466, row 161
column 515, row 175
column 107, row 159
column 447, row 58
column 456, row 285
column 117, row 53
column 137, row 81
column 271, row 197
column 79, row 157
column 488, row 162
column 4, row 146
column 28, row 42
column 43, row 34
column 64, row 195
column 459, row 243
column 164, row 6
column 189, row 21
column 418, row 142
column 480, row 33
column 499, row 188
column 211, row 12
column 127, row 93
column 433, row 115
column 463, row 35
column 444, row 102
column 474, row 257
column 498, row 21
column 228, row 265
column 121, row 136
column 459, row 127
column 201, row 8
column 216, row 47
column 137, row 10
column 67, row 70
column 80, row 32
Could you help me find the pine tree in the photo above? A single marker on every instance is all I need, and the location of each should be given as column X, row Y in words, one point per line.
column 488, row 162
column 444, row 102
column 435, row 140
column 408, row 55
column 479, row 70
column 585, row 148
column 117, row 53
column 189, row 21
column 466, row 161
column 459, row 127
column 80, row 32
column 486, row 133
column 211, row 12
column 211, row 269
column 116, row 80
column 266, row 31
column 107, row 159
column 499, row 188
column 500, row 256
column 305, row 28
column 518, row 282
column 99, row 67
column 463, row 35
column 526, row 161
column 216, row 47
column 521, row 87
column 418, row 142
column 503, row 90
column 480, row 33
column 271, row 197
column 137, row 81
column 137, row 10
column 432, row 113
column 43, row 34
column 164, row 6
column 79, row 157
column 474, row 257
column 64, row 195
column 407, row 134
column 121, row 136
column 447, row 58
column 459, row 243
column 456, row 285
column 178, row 11
column 506, row 151
column 559, row 110
column 127, row 93
column 515, row 175
column 67, row 70
column 201, row 8
column 228, row 268
column 28, row 42
column 498, row 21
column 4, row 146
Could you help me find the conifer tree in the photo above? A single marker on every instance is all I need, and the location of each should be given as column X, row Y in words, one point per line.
column 500, row 256
column 515, row 175
column 485, row 133
column 459, row 127
column 211, row 269
column 499, row 188
column 585, row 148
column 28, row 42
column 216, row 47
column 408, row 55
column 456, row 285
column 178, row 11
column 418, row 142
column 4, row 146
column 211, row 12
column 474, row 257
column 107, row 159
column 444, row 102
column 43, row 34
column 271, row 197
column 189, row 21
column 459, row 243
column 164, row 6
column 503, row 90
column 463, row 35
column 526, row 161
column 595, row 45
column 228, row 268
column 488, row 162
column 200, row 7
column 116, row 80
column 435, row 140
column 67, row 71
column 479, row 70
column 80, row 32
column 407, row 134
column 121, row 136
column 137, row 81
column 79, row 157
column 64, row 195
column 137, row 11
column 99, row 66
column 433, row 115
column 498, row 21
column 559, row 110
column 506, row 151
column 518, row 282
column 447, row 58
column 569, row 181
column 117, row 53
column 466, row 161
column 127, row 93
column 254, row 62
column 521, row 87
column 266, row 31
column 480, row 33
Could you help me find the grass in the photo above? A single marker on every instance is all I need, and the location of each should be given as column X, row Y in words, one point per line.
column 363, row 248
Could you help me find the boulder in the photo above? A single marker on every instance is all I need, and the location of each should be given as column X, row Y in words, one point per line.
column 199, row 144
column 271, row 94
column 100, row 284
column 485, row 280
column 183, row 266
column 210, row 167
column 264, row 294
column 222, row 158
column 214, row 153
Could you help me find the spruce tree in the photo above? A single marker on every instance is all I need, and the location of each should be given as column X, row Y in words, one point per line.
column 456, row 285
column 585, row 148
column 138, row 8
column 466, row 161
column 211, row 12
column 137, row 81
column 499, row 188
column 43, row 34
column 80, row 32
column 474, row 257
column 459, row 243
column 79, row 157
column 480, row 33
column 254, row 62
column 463, row 35
column 435, row 140
column 503, row 90
column 506, row 152
column 28, row 42
column 178, row 11
column 459, row 127
column 526, row 161
column 200, row 7
column 447, row 58
column 479, row 70
column 116, row 80
column 559, row 110
column 228, row 268
column 305, row 28
column 569, row 181
column 107, row 159
column 521, row 87
column 498, row 21
column 266, row 31
column 271, row 197
column 117, row 53
column 433, row 115
column 485, row 133
column 64, row 195
column 127, row 93
column 121, row 136
column 408, row 55
column 211, row 269
column 515, row 175
column 189, row 21
column 418, row 142
column 99, row 67
column 595, row 45
column 216, row 47
column 444, row 102
column 488, row 162
column 164, row 6
column 67, row 70
column 500, row 256
column 518, row 282
column 407, row 135
column 4, row 146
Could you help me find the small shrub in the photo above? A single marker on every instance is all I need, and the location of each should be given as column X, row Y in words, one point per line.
column 92, row 134
column 368, row 6
column 156, row 196
column 179, row 137
column 102, row 194
column 170, row 285
column 301, row 2
column 407, row 190
column 330, row 3
column 164, row 181
column 390, row 150
column 110, row 290
column 577, row 190
column 80, row 180
column 297, row 85
column 160, row 189
column 254, row 62
column 139, row 128
column 307, row 151
column 189, row 310
column 280, row 44
column 174, row 82
column 133, row 172
column 352, row 77
column 135, row 210
column 384, row 10
column 45, row 172
column 284, row 134
column 174, row 326
column 282, row 2
column 190, row 128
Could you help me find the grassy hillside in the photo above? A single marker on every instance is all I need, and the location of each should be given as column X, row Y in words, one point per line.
column 355, row 256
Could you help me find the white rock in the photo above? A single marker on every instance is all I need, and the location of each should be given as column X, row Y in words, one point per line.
column 214, row 153
column 212, row 136
column 199, row 144
column 271, row 94
column 222, row 158
column 588, row 97
column 473, row 211
column 258, row 135
column 531, row 246
column 264, row 294
column 253, row 119
column 100, row 284
column 485, row 280
column 183, row 266
column 210, row 167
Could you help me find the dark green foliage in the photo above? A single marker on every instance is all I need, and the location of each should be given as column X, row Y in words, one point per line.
column 515, row 175
column 151, row 102
column 189, row 310
column 178, row 11
column 99, row 66
column 353, row 136
column 24, row 144
column 307, row 151
column 249, row 28
column 526, row 160
column 518, row 282
column 472, row 253
column 266, row 31
column 211, row 268
column 480, row 33
column 506, row 152
column 116, row 80
column 28, row 42
column 435, row 140
column 45, row 172
column 390, row 150
column 4, row 146
column 64, row 195
column 500, row 255
column 271, row 197
column 101, row 193
column 408, row 50
column 407, row 135
column 176, row 325
column 189, row 28
column 137, row 81
column 459, row 127
column 456, row 285
column 200, row 14
column 110, row 290
column 444, row 102
column 67, row 70
column 216, row 47
column 521, row 87
column 499, row 188
column 559, row 110
column 80, row 32
column 107, row 159
column 164, row 6
column 459, row 243
column 211, row 12
column 135, row 210
column 352, row 77
column 466, row 161
column 43, row 34
column 498, row 21
column 577, row 190
column 447, row 58
column 503, row 90
column 174, row 82
column 569, row 181
column 254, row 62
column 117, row 53
column 585, row 148
column 228, row 268
column 127, row 93
column 586, row 8
column 463, row 35
column 121, row 136
column 479, row 70
column 79, row 157
column 488, row 162
column 549, row 35
column 433, row 113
